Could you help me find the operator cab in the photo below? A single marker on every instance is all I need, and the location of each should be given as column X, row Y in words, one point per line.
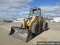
column 35, row 11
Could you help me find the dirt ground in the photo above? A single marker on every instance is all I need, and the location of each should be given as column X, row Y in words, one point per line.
column 53, row 34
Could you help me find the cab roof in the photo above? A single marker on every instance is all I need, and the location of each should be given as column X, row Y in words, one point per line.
column 35, row 8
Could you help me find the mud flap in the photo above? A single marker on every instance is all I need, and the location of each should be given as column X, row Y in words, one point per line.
column 21, row 34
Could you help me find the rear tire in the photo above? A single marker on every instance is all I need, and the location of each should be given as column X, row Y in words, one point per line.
column 45, row 26
column 35, row 28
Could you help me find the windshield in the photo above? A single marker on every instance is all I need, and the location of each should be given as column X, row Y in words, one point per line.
column 35, row 12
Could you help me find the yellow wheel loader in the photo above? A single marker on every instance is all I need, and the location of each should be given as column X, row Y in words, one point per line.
column 34, row 24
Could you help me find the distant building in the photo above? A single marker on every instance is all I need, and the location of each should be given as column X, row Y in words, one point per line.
column 18, row 20
column 56, row 19
column 48, row 19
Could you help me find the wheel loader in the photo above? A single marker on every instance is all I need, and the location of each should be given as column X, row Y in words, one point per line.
column 34, row 24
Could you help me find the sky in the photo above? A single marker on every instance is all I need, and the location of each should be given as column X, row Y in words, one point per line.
column 12, row 9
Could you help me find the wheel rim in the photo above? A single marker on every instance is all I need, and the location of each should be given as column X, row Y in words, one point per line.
column 37, row 29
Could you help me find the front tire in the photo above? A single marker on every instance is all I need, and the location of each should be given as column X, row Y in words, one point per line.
column 35, row 28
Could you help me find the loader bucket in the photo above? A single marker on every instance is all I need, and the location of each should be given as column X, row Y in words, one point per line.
column 21, row 34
